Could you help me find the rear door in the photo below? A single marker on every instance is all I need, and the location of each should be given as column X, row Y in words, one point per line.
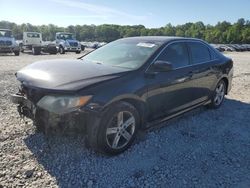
column 203, row 75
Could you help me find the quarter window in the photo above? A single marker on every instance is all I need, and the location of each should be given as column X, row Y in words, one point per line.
column 199, row 52
column 176, row 54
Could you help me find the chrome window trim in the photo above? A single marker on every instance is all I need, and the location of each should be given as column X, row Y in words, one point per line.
column 183, row 41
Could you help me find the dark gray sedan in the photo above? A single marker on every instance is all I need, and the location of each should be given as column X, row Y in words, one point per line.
column 124, row 86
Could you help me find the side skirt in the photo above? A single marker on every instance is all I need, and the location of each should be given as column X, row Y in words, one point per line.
column 158, row 122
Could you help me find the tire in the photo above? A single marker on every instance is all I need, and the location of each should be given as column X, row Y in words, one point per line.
column 36, row 50
column 53, row 51
column 17, row 53
column 61, row 50
column 21, row 48
column 115, row 131
column 82, row 47
column 218, row 95
column 78, row 52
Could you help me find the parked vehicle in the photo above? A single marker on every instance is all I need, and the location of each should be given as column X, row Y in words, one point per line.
column 8, row 43
column 127, row 85
column 66, row 42
column 246, row 46
column 33, row 41
column 227, row 48
column 218, row 47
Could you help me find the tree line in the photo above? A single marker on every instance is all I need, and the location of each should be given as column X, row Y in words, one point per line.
column 222, row 32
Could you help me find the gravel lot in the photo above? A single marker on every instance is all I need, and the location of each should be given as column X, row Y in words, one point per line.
column 203, row 148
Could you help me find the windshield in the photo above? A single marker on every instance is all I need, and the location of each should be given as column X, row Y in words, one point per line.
column 125, row 53
column 33, row 35
column 65, row 36
column 5, row 33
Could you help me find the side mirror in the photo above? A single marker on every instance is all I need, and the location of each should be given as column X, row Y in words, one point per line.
column 161, row 66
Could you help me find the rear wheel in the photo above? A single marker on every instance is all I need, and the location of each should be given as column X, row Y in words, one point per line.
column 16, row 53
column 82, row 47
column 78, row 52
column 36, row 50
column 116, row 130
column 219, row 95
column 53, row 51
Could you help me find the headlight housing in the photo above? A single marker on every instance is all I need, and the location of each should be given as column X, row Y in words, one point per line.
column 62, row 104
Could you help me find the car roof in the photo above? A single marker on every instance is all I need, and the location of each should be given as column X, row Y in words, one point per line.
column 31, row 32
column 63, row 33
column 161, row 39
column 5, row 29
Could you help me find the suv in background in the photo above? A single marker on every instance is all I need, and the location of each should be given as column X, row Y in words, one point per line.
column 66, row 42
column 33, row 41
column 8, row 43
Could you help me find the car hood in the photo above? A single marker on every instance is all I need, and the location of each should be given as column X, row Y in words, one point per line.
column 65, row 74
column 71, row 40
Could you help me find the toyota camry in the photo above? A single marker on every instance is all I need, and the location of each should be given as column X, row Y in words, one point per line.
column 127, row 85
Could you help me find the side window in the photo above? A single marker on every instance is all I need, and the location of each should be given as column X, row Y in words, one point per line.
column 199, row 52
column 176, row 54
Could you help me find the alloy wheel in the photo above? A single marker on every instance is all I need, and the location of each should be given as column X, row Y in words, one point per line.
column 121, row 130
column 219, row 94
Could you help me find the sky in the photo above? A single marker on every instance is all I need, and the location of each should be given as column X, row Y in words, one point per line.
column 151, row 13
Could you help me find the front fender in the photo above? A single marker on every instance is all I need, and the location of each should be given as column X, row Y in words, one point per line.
column 125, row 97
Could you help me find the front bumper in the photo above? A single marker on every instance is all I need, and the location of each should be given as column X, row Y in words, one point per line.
column 72, row 49
column 69, row 122
column 4, row 49
column 25, row 107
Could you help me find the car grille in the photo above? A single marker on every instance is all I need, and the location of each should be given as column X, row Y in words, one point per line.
column 75, row 44
column 5, row 43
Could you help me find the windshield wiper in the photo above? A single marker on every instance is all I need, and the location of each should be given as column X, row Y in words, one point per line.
column 122, row 67
column 84, row 54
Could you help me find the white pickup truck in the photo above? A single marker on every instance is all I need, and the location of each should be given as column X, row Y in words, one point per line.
column 33, row 41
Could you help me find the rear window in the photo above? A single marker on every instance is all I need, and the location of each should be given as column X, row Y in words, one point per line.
column 33, row 35
column 199, row 52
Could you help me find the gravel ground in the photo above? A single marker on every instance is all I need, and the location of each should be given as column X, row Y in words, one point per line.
column 204, row 148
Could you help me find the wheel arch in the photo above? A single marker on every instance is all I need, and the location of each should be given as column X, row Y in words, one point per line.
column 226, row 81
column 137, row 102
column 61, row 45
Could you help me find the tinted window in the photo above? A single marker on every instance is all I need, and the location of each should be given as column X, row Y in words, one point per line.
column 176, row 54
column 199, row 52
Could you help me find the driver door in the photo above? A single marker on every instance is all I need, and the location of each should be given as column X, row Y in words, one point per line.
column 170, row 91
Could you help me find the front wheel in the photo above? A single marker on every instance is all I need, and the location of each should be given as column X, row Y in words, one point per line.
column 116, row 130
column 61, row 50
column 218, row 95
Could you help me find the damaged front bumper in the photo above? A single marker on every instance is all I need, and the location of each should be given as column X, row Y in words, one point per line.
column 25, row 107
column 46, row 121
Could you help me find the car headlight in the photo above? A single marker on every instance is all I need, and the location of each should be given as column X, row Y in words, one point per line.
column 62, row 104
